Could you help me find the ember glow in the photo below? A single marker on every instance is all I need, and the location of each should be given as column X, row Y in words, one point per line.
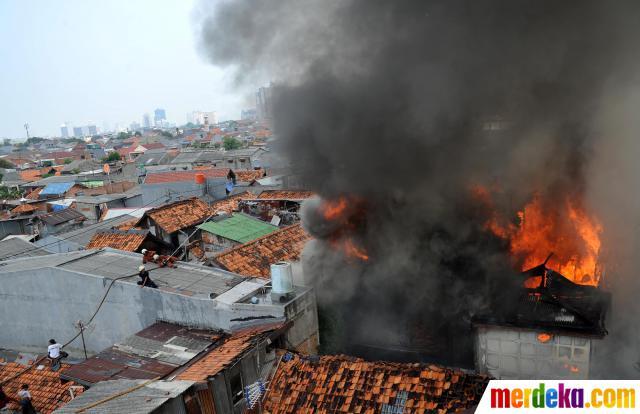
column 346, row 215
column 562, row 229
column 544, row 337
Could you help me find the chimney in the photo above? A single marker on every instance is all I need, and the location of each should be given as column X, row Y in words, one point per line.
column 281, row 282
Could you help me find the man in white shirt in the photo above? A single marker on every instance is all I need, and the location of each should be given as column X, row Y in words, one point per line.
column 54, row 349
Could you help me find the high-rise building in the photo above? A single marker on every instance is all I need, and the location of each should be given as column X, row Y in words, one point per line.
column 146, row 120
column 198, row 117
column 92, row 129
column 159, row 116
column 248, row 115
column 77, row 132
column 64, row 131
column 263, row 103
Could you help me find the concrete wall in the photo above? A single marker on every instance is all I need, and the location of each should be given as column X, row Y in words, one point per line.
column 44, row 303
column 509, row 353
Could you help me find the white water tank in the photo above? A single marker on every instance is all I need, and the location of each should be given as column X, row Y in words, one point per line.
column 281, row 281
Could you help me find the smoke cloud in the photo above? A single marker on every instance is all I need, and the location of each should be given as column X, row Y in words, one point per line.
column 409, row 105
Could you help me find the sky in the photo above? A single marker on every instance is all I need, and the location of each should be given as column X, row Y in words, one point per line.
column 106, row 62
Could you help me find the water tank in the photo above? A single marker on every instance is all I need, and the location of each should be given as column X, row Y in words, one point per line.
column 200, row 178
column 281, row 281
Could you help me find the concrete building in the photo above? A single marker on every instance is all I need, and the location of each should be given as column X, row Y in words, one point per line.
column 198, row 117
column 159, row 116
column 146, row 121
column 77, row 132
column 264, row 104
column 64, row 131
column 92, row 129
column 548, row 334
column 48, row 294
column 93, row 207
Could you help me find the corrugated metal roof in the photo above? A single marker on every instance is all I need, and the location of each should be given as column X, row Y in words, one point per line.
column 239, row 227
column 56, row 188
column 62, row 216
column 143, row 400
column 155, row 351
column 15, row 248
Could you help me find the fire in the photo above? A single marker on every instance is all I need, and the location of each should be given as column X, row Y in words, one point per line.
column 563, row 228
column 346, row 213
column 334, row 209
column 572, row 368
column 544, row 337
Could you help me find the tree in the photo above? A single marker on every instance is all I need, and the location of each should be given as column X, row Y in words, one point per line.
column 6, row 164
column 123, row 135
column 68, row 160
column 7, row 193
column 230, row 143
column 138, row 134
column 113, row 156
column 166, row 134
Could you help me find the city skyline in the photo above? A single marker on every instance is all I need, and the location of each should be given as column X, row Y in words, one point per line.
column 149, row 60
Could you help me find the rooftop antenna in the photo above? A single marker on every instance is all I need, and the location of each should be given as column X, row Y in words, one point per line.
column 26, row 127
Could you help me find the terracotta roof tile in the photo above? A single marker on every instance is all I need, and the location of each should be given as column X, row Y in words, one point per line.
column 225, row 354
column 255, row 258
column 293, row 195
column 230, row 204
column 46, row 388
column 34, row 195
column 249, row 175
column 180, row 176
column 123, row 240
column 180, row 214
column 351, row 385
column 30, row 175
column 25, row 208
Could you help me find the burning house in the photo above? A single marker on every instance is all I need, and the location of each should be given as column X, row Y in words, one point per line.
column 547, row 334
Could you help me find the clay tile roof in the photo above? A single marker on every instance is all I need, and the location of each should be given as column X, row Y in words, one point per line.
column 225, row 354
column 25, row 208
column 180, row 214
column 230, row 204
column 123, row 240
column 351, row 385
column 30, row 175
column 46, row 388
column 255, row 258
column 248, row 175
column 293, row 195
column 34, row 195
column 180, row 176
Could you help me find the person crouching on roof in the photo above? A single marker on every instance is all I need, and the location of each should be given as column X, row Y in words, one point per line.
column 55, row 354
column 163, row 261
column 145, row 280
column 147, row 256
column 25, row 400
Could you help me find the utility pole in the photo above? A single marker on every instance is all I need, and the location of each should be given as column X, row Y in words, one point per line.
column 26, row 127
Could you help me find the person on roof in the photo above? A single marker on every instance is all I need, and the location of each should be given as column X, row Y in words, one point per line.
column 168, row 261
column 25, row 400
column 55, row 354
column 147, row 255
column 145, row 280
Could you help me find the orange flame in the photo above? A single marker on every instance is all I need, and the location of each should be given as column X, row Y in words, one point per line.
column 544, row 337
column 563, row 228
column 572, row 368
column 346, row 212
column 333, row 209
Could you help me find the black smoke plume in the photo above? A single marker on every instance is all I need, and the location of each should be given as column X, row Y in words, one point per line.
column 408, row 105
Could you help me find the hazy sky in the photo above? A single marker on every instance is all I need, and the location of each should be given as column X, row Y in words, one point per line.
column 104, row 61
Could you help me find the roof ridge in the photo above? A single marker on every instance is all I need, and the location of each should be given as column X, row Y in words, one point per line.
column 279, row 231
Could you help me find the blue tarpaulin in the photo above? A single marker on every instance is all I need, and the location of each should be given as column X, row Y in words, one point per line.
column 56, row 188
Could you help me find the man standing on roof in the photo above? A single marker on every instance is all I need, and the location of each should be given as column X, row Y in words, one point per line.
column 145, row 280
column 147, row 256
column 25, row 400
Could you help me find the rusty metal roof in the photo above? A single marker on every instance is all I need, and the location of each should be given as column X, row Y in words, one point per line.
column 153, row 352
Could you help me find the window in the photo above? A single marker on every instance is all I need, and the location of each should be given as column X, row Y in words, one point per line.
column 235, row 383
